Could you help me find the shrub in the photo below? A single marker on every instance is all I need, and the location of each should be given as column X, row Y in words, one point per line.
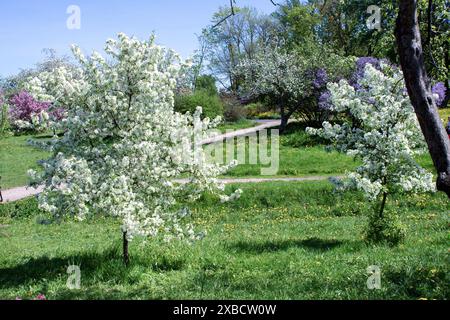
column 386, row 229
column 255, row 109
column 20, row 209
column 211, row 105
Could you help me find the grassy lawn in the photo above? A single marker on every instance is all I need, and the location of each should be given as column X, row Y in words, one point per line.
column 16, row 158
column 279, row 241
column 304, row 161
column 241, row 124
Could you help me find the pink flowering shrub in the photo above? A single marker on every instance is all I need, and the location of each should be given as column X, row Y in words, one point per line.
column 24, row 106
column 27, row 113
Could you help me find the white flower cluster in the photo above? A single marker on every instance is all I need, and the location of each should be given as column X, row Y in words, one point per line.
column 123, row 143
column 382, row 130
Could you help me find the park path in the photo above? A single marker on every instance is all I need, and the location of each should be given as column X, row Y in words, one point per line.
column 243, row 132
column 25, row 192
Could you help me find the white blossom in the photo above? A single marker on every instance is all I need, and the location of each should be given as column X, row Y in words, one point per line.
column 124, row 143
column 384, row 134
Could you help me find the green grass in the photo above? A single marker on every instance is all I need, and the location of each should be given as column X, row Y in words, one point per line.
column 241, row 124
column 305, row 161
column 445, row 114
column 279, row 241
column 16, row 158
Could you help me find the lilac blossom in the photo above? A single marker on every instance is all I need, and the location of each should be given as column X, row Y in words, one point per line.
column 439, row 91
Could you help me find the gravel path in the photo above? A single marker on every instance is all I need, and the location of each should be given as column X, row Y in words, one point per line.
column 19, row 193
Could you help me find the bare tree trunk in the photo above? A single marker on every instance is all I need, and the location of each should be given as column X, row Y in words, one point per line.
column 285, row 116
column 411, row 58
column 126, row 257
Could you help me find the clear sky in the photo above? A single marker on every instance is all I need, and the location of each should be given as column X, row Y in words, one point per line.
column 28, row 26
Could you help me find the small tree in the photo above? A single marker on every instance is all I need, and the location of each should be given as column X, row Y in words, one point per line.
column 381, row 130
column 123, row 142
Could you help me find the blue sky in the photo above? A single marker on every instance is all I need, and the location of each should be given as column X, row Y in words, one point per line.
column 28, row 26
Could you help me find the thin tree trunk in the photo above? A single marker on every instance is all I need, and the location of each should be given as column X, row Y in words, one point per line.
column 284, row 122
column 126, row 257
column 411, row 58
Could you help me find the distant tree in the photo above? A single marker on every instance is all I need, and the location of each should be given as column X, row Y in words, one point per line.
column 232, row 37
column 293, row 80
column 51, row 61
column 207, row 83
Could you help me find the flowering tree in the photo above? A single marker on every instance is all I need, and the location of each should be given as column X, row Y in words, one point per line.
column 382, row 130
column 26, row 113
column 123, row 142
column 293, row 81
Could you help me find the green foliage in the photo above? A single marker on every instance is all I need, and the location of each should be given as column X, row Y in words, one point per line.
column 299, row 20
column 20, row 209
column 386, row 229
column 258, row 110
column 207, row 83
column 296, row 137
column 211, row 104
column 4, row 121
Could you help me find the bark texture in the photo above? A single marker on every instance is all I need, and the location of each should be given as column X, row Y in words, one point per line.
column 409, row 45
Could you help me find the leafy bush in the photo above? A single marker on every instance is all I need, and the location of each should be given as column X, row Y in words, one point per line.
column 269, row 115
column 207, row 83
column 386, row 229
column 20, row 209
column 212, row 106
column 439, row 91
column 255, row 109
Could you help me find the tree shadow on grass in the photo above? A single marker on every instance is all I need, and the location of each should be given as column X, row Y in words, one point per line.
column 93, row 265
column 313, row 244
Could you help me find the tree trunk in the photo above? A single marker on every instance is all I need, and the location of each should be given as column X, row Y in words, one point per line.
column 411, row 58
column 126, row 257
column 284, row 122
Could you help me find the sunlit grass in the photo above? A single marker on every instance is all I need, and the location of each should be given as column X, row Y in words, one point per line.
column 279, row 241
